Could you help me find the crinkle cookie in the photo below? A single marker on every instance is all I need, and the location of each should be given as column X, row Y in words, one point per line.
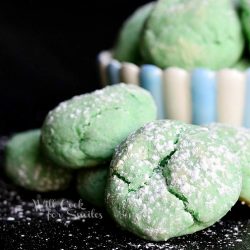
column 127, row 47
column 238, row 139
column 193, row 33
column 91, row 184
column 27, row 167
column 84, row 131
column 169, row 179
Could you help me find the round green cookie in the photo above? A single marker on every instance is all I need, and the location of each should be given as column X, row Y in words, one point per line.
column 194, row 33
column 127, row 47
column 170, row 179
column 238, row 139
column 245, row 4
column 91, row 184
column 84, row 131
column 27, row 167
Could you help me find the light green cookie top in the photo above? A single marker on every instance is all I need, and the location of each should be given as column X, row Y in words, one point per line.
column 27, row 167
column 238, row 139
column 91, row 184
column 84, row 131
column 193, row 33
column 127, row 48
column 170, row 179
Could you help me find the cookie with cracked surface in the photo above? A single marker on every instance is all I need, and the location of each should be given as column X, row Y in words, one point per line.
column 190, row 34
column 84, row 131
column 91, row 184
column 170, row 179
column 27, row 167
column 238, row 139
column 127, row 47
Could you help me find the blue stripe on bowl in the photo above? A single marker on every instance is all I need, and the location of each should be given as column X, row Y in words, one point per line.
column 151, row 79
column 113, row 72
column 247, row 101
column 204, row 100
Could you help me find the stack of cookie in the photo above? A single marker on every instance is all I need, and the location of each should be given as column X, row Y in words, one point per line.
column 79, row 135
column 157, row 178
column 187, row 34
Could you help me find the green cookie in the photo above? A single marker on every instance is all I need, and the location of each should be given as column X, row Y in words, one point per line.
column 238, row 139
column 194, row 33
column 245, row 4
column 170, row 179
column 127, row 48
column 27, row 167
column 91, row 184
column 84, row 131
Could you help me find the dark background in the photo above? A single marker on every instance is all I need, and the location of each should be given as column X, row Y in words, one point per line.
column 48, row 54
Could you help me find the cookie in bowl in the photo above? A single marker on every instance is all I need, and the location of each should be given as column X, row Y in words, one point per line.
column 196, row 70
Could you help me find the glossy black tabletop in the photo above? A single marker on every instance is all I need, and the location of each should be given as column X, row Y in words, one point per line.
column 62, row 221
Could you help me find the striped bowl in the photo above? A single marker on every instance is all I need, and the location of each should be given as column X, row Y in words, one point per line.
column 200, row 96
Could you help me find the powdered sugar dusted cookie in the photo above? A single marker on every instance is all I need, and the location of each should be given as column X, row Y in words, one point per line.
column 190, row 34
column 84, row 131
column 28, row 168
column 238, row 139
column 170, row 179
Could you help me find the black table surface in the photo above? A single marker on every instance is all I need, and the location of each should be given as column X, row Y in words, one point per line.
column 31, row 220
